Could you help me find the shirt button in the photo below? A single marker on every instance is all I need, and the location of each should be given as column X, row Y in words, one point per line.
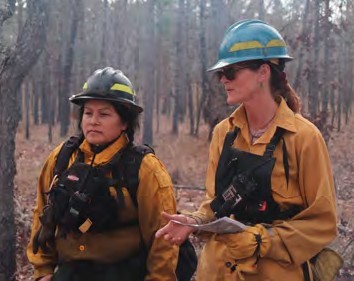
column 82, row 248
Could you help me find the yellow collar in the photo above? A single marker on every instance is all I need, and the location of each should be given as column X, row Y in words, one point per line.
column 105, row 155
column 284, row 118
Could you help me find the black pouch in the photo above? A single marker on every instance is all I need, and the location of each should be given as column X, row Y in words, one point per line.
column 187, row 261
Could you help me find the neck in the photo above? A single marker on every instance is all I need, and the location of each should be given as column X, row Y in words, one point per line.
column 260, row 112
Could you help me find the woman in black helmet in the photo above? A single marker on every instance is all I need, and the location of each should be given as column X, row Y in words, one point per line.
column 99, row 197
column 268, row 168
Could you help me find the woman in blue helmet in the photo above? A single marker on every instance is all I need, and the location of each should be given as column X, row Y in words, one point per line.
column 268, row 168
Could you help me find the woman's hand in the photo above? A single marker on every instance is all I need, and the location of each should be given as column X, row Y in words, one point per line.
column 253, row 241
column 46, row 278
column 173, row 232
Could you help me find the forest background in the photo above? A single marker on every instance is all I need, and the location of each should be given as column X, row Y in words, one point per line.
column 48, row 49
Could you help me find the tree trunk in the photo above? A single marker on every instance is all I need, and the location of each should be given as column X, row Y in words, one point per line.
column 35, row 92
column 203, row 63
column 261, row 10
column 103, row 51
column 43, row 88
column 14, row 67
column 179, row 92
column 349, row 73
column 26, row 92
column 326, row 65
column 67, row 70
column 313, row 73
column 189, row 84
column 147, row 60
column 304, row 39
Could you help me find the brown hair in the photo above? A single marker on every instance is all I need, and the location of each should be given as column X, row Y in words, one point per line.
column 278, row 83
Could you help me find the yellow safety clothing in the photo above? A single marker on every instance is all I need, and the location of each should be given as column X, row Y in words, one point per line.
column 155, row 194
column 294, row 241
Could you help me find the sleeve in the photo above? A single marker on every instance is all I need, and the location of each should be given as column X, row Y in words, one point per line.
column 314, row 227
column 205, row 214
column 155, row 194
column 43, row 263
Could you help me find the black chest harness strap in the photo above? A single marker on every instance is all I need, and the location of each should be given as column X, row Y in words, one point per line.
column 243, row 182
column 83, row 198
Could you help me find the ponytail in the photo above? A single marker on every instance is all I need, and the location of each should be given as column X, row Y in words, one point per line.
column 281, row 87
column 278, row 83
column 131, row 118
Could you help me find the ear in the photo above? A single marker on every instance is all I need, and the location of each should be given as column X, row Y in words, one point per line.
column 264, row 72
column 124, row 126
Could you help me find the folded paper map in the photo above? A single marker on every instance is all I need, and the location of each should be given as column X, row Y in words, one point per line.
column 222, row 225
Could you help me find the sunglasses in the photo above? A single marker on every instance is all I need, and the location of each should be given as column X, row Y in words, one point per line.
column 231, row 71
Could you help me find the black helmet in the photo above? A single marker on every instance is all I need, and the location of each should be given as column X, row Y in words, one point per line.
column 108, row 84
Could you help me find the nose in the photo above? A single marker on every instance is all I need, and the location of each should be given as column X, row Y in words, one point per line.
column 95, row 119
column 223, row 79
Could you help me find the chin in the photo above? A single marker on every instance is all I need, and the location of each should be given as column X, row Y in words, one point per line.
column 233, row 102
column 94, row 141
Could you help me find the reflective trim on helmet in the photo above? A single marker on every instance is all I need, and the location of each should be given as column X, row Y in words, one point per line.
column 123, row 88
column 245, row 45
column 256, row 44
column 276, row 43
column 116, row 87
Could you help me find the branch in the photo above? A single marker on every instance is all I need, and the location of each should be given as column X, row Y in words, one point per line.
column 30, row 40
column 7, row 11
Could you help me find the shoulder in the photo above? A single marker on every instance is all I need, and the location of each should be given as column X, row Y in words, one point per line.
column 223, row 125
column 308, row 136
column 152, row 164
column 221, row 129
column 52, row 157
column 305, row 128
column 47, row 170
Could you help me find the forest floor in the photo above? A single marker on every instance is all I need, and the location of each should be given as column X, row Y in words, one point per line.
column 186, row 159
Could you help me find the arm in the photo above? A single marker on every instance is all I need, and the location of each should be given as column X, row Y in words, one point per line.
column 205, row 214
column 44, row 263
column 315, row 227
column 156, row 195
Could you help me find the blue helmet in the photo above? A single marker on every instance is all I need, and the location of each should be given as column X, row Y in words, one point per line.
column 250, row 40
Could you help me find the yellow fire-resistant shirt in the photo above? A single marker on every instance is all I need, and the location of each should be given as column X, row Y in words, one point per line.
column 310, row 186
column 155, row 194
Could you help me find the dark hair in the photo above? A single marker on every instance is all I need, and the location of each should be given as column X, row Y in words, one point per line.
column 278, row 82
column 128, row 116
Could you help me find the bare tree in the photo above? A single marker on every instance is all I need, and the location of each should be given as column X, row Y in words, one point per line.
column 180, row 75
column 147, row 61
column 14, row 65
column 304, row 39
column 326, row 65
column 314, row 59
column 203, row 63
column 77, row 8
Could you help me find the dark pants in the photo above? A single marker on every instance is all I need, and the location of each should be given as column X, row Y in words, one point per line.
column 131, row 270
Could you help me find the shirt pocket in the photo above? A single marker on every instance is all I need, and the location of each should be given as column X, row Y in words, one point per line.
column 283, row 191
column 165, row 192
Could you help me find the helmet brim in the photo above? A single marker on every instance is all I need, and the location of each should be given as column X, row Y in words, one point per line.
column 81, row 99
column 226, row 62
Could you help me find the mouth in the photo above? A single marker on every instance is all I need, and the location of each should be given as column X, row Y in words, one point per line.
column 93, row 132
